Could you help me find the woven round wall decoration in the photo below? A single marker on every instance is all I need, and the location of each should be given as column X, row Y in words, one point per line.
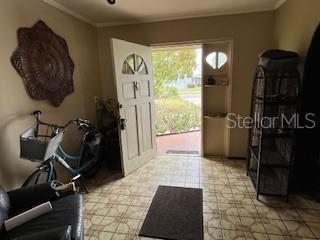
column 43, row 62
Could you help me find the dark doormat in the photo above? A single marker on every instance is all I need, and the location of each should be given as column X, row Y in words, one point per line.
column 175, row 213
column 181, row 152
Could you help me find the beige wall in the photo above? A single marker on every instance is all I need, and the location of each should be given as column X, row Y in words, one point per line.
column 295, row 23
column 251, row 33
column 290, row 27
column 15, row 104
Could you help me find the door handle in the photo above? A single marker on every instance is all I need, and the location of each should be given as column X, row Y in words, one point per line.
column 123, row 124
column 136, row 86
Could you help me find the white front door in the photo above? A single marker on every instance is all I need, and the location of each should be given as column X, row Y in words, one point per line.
column 132, row 64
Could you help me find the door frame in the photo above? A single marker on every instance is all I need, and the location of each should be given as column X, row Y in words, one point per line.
column 230, row 41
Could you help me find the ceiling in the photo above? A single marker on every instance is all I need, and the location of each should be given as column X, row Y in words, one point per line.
column 100, row 13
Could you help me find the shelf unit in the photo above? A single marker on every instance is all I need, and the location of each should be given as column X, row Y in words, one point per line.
column 216, row 100
column 215, row 115
column 215, row 85
column 275, row 95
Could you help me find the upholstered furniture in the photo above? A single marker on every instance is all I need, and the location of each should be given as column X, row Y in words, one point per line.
column 64, row 222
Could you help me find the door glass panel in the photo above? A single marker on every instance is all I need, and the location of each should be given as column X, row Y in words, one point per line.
column 139, row 62
column 134, row 64
column 143, row 69
column 222, row 59
column 217, row 59
column 126, row 69
column 131, row 61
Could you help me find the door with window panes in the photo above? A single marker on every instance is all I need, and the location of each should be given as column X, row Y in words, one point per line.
column 132, row 65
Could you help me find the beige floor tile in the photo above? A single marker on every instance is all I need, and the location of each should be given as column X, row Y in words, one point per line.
column 110, row 224
column 99, row 235
column 309, row 215
column 140, row 201
column 88, row 233
column 274, row 226
column 267, row 212
column 211, row 220
column 231, row 223
column 210, row 207
column 298, row 229
column 116, row 207
column 212, row 234
column 252, row 225
column 228, row 209
column 239, row 190
column 92, row 222
column 303, row 238
column 242, row 199
column 117, row 210
column 94, row 197
column 247, row 211
column 289, row 214
column 223, row 188
column 128, row 226
column 135, row 212
column 101, row 209
column 233, row 235
column 279, row 237
column 88, row 207
column 256, row 236
column 209, row 197
column 225, row 198
column 120, row 236
column 315, row 228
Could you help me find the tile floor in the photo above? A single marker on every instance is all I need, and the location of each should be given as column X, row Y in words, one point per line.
column 115, row 207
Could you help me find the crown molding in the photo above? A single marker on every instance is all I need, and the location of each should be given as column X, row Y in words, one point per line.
column 99, row 25
column 279, row 3
column 69, row 11
column 163, row 19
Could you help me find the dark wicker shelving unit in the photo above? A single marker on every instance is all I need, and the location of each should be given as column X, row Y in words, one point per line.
column 271, row 147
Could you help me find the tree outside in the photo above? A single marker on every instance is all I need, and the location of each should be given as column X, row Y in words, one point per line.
column 177, row 90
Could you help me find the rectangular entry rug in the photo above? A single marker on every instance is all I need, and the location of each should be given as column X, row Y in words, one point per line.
column 175, row 213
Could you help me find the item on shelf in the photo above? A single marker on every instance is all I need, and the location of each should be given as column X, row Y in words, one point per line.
column 275, row 96
column 26, row 216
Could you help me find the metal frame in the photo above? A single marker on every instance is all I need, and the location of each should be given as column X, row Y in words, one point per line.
column 262, row 74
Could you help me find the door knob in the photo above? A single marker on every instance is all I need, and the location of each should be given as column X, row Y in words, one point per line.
column 123, row 124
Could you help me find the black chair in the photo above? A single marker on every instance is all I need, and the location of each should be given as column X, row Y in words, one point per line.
column 64, row 222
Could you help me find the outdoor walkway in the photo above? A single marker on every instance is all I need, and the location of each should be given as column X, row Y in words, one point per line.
column 179, row 142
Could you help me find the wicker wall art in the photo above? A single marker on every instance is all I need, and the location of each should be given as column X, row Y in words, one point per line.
column 42, row 60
